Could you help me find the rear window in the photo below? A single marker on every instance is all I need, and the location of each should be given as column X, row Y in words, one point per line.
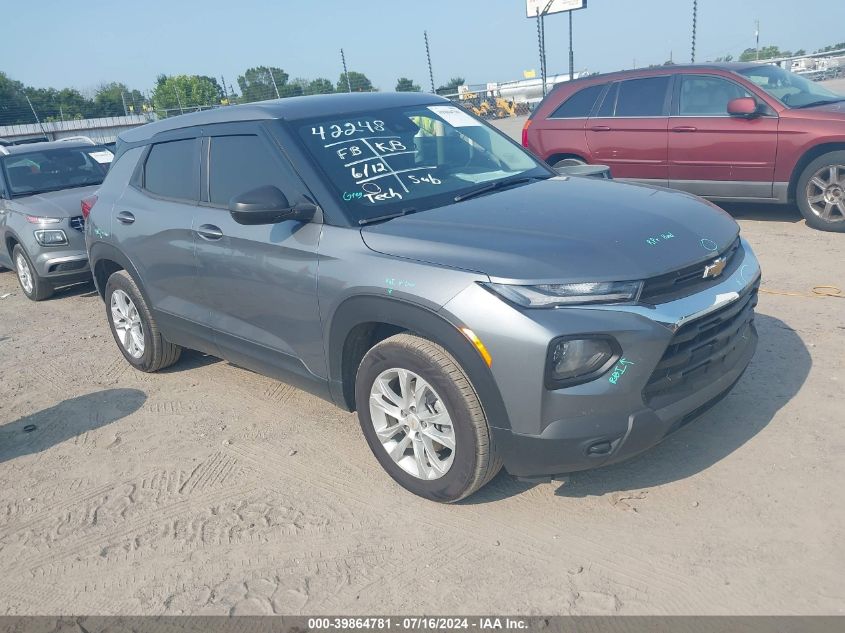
column 578, row 105
column 171, row 170
column 637, row 97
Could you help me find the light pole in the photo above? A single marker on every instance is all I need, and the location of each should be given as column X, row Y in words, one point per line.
column 694, row 16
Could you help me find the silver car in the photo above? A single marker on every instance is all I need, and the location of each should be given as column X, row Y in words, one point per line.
column 397, row 256
column 44, row 190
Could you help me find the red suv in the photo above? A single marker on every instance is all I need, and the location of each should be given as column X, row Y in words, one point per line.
column 728, row 132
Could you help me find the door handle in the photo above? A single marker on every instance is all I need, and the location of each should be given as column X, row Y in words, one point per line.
column 685, row 128
column 600, row 128
column 125, row 217
column 209, row 232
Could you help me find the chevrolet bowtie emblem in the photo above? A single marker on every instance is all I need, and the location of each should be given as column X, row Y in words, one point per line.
column 714, row 268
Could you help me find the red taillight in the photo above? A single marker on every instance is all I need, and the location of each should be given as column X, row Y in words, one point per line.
column 525, row 133
column 88, row 204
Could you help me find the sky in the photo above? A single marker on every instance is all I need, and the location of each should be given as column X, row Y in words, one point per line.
column 83, row 44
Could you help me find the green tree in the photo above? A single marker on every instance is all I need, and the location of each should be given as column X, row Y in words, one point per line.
column 451, row 87
column 319, row 86
column 726, row 58
column 767, row 52
column 184, row 92
column 406, row 85
column 257, row 83
column 358, row 81
column 110, row 98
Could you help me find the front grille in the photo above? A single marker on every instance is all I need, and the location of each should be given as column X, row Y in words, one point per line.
column 77, row 223
column 688, row 280
column 702, row 350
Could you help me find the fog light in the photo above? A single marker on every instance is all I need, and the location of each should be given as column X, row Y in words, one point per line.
column 576, row 360
column 51, row 237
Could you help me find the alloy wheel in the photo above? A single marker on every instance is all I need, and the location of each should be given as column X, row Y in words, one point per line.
column 826, row 193
column 412, row 423
column 24, row 273
column 127, row 323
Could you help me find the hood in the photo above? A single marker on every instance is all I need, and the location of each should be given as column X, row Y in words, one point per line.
column 55, row 204
column 572, row 229
column 828, row 112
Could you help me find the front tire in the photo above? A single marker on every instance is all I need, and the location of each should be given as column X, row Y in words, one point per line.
column 568, row 162
column 33, row 285
column 820, row 192
column 134, row 328
column 423, row 420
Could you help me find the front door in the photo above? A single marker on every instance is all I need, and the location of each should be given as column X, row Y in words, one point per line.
column 259, row 282
column 712, row 153
column 628, row 132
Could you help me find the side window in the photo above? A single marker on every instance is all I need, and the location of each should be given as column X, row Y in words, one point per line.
column 237, row 164
column 609, row 104
column 701, row 95
column 642, row 97
column 172, row 170
column 578, row 105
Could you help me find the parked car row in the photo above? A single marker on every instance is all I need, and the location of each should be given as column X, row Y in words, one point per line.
column 401, row 258
column 728, row 132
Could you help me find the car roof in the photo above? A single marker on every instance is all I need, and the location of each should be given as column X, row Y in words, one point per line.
column 734, row 67
column 289, row 109
column 37, row 147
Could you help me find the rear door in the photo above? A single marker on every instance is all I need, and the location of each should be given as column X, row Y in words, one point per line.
column 259, row 282
column 562, row 132
column 628, row 132
column 712, row 153
column 152, row 225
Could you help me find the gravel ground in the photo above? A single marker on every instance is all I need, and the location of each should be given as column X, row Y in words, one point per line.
column 209, row 489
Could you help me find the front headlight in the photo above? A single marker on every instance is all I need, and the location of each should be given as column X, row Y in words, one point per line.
column 51, row 237
column 553, row 295
column 38, row 219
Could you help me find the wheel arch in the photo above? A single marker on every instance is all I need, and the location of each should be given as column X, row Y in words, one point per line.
column 105, row 260
column 808, row 157
column 554, row 158
column 361, row 322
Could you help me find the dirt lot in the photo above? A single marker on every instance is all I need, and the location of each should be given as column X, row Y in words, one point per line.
column 210, row 489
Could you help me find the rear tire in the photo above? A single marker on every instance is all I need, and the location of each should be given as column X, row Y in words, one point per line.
column 134, row 328
column 820, row 192
column 448, row 409
column 33, row 285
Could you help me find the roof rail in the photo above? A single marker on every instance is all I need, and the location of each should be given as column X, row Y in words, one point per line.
column 78, row 138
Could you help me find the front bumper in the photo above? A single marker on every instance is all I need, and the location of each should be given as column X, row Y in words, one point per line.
column 64, row 264
column 550, row 432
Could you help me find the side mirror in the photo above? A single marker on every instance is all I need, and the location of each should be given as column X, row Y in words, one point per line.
column 745, row 107
column 267, row 205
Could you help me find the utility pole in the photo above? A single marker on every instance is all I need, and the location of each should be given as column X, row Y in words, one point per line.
column 275, row 87
column 35, row 114
column 345, row 71
column 178, row 100
column 694, row 17
column 571, row 54
column 757, row 38
column 428, row 58
column 123, row 98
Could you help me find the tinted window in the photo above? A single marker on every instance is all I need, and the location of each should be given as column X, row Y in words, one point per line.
column 702, row 95
column 238, row 164
column 578, row 105
column 642, row 97
column 171, row 170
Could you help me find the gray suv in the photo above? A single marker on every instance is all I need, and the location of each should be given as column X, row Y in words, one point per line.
column 399, row 257
column 44, row 190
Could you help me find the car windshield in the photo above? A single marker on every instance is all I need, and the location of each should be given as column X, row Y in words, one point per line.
column 52, row 169
column 397, row 160
column 790, row 89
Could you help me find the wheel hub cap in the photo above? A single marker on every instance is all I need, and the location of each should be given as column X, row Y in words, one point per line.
column 24, row 273
column 412, row 423
column 127, row 324
column 826, row 193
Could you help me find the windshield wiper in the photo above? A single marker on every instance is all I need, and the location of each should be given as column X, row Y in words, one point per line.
column 818, row 103
column 492, row 186
column 388, row 216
